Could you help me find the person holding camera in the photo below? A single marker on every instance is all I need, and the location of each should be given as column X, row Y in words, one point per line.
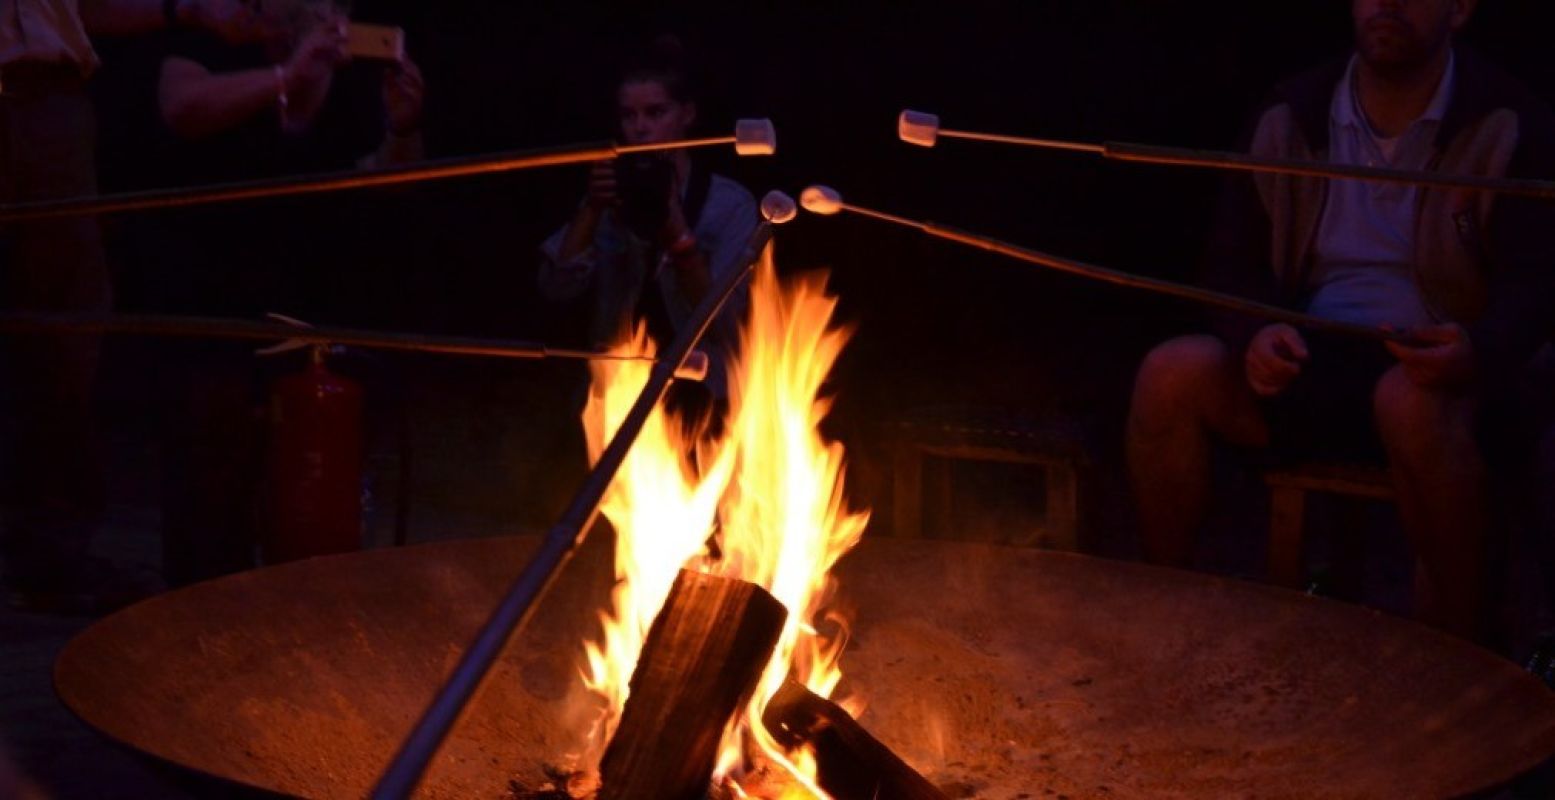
column 287, row 103
column 654, row 232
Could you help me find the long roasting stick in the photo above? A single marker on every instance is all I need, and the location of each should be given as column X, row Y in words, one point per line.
column 405, row 772
column 751, row 137
column 824, row 200
column 923, row 129
column 38, row 322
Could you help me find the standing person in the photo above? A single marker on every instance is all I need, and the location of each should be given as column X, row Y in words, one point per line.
column 292, row 103
column 1470, row 274
column 54, row 486
column 653, row 233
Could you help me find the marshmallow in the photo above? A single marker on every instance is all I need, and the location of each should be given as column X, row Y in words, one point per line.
column 694, row 368
column 755, row 137
column 918, row 127
column 822, row 200
column 778, row 208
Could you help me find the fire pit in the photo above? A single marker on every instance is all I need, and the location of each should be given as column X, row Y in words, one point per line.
column 993, row 671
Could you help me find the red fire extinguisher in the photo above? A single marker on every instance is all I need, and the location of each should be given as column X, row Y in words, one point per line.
column 314, row 464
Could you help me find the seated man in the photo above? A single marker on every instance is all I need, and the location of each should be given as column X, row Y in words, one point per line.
column 1470, row 274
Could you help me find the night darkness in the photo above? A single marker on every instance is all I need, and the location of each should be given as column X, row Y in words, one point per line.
column 468, row 449
column 937, row 323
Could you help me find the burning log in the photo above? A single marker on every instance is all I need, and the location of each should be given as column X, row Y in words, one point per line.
column 850, row 764
column 701, row 661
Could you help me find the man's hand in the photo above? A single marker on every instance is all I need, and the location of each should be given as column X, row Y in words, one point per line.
column 1274, row 359
column 230, row 20
column 315, row 58
column 310, row 70
column 1445, row 359
column 403, row 90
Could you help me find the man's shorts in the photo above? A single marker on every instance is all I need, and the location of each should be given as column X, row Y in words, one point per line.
column 1326, row 413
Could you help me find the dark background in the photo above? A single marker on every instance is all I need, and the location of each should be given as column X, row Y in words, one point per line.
column 486, row 447
column 937, row 323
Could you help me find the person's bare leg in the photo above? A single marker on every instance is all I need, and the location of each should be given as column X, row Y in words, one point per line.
column 1189, row 391
column 1439, row 475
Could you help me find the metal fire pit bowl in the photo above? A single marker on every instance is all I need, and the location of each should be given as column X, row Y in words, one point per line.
column 995, row 671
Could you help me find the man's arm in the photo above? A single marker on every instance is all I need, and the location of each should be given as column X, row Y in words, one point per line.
column 1237, row 260
column 1520, row 311
column 228, row 19
column 196, row 103
column 126, row 17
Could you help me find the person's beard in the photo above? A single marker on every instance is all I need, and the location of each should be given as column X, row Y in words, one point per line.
column 1394, row 48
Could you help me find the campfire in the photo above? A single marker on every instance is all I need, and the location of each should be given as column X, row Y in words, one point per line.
column 714, row 670
column 737, row 516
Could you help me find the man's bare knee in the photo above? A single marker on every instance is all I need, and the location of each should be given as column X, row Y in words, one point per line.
column 1195, row 380
column 1175, row 376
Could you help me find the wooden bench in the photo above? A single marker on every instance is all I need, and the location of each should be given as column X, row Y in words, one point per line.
column 1288, row 489
column 970, row 434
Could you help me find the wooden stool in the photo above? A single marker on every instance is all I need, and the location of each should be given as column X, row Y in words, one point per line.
column 1288, row 488
column 989, row 436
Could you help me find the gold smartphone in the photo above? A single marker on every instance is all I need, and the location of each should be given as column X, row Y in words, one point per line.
column 377, row 42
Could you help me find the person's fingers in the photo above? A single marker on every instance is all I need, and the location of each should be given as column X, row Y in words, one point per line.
column 1279, row 370
column 1427, row 354
column 1273, row 357
column 1260, row 371
column 1271, row 375
column 1291, row 343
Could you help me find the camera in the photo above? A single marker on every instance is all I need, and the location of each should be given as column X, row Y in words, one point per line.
column 643, row 181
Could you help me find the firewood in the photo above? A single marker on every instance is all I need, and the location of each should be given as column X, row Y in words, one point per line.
column 850, row 763
column 704, row 654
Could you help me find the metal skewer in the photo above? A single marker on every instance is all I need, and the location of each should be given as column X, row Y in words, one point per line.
column 751, row 137
column 923, row 129
column 298, row 334
column 826, row 201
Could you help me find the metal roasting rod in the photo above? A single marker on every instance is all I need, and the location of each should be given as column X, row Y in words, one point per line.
column 1170, row 288
column 29, row 322
column 517, row 605
column 339, row 181
column 1119, row 278
column 1243, row 162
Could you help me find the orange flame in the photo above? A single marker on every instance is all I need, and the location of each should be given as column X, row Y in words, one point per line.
column 768, row 492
